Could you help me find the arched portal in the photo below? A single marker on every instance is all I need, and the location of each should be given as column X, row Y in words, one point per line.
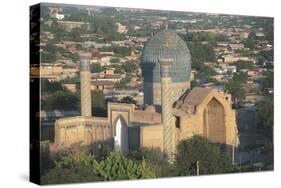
column 214, row 124
column 121, row 136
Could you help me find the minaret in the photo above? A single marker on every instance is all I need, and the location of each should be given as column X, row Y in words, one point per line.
column 85, row 85
column 166, row 103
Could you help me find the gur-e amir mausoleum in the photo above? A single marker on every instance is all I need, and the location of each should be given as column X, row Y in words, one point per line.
column 172, row 111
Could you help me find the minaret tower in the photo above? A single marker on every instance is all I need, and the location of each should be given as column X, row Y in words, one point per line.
column 166, row 103
column 85, row 85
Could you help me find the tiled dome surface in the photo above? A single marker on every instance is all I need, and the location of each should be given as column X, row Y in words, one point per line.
column 166, row 44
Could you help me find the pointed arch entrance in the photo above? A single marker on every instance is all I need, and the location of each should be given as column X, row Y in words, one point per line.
column 121, row 135
column 214, row 122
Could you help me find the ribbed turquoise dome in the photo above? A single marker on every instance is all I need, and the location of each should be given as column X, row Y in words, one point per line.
column 166, row 44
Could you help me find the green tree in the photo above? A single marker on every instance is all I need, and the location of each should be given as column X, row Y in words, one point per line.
column 47, row 57
column 73, row 166
column 74, row 56
column 99, row 107
column 59, row 32
column 71, row 80
column 211, row 158
column 109, row 11
column 106, row 27
column 51, row 48
column 130, row 67
column 269, row 34
column 54, row 26
column 75, row 33
column 240, row 64
column 74, row 174
column 61, row 100
column 267, row 82
column 77, row 165
column 96, row 67
column 201, row 53
column 266, row 54
column 120, row 51
column 114, row 60
column 51, row 87
column 155, row 160
column 235, row 88
column 118, row 167
column 240, row 77
column 117, row 69
column 265, row 114
column 250, row 41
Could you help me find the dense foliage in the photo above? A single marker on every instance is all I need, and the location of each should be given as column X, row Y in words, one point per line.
column 130, row 67
column 96, row 68
column 83, row 167
column 201, row 49
column 50, row 87
column 118, row 167
column 240, row 64
column 156, row 160
column 267, row 82
column 235, row 88
column 120, row 51
column 265, row 114
column 61, row 100
column 99, row 106
column 211, row 158
column 78, row 165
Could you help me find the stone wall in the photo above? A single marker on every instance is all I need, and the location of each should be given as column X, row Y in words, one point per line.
column 151, row 136
column 91, row 131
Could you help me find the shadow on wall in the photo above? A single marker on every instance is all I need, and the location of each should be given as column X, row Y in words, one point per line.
column 147, row 68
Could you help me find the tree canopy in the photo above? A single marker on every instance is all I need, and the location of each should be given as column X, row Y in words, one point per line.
column 235, row 88
column 200, row 54
column 118, row 167
column 240, row 64
column 250, row 41
column 50, row 87
column 99, row 106
column 210, row 157
column 267, row 82
column 130, row 67
column 83, row 167
column 96, row 67
column 58, row 97
column 61, row 100
column 120, row 51
column 265, row 116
